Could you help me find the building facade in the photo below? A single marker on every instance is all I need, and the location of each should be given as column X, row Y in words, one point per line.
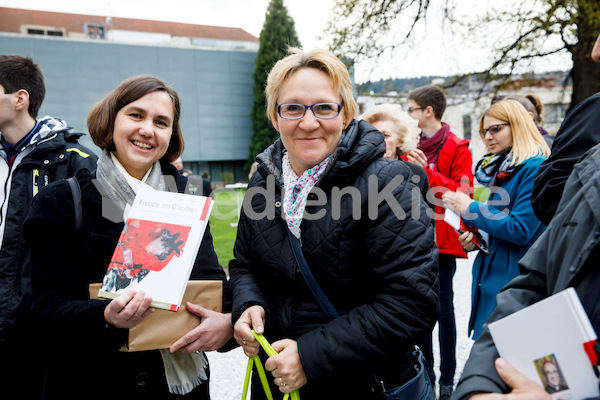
column 84, row 57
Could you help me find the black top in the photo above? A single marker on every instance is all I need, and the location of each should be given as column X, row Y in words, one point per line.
column 84, row 359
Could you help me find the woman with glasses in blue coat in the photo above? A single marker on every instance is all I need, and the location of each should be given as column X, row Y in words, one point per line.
column 516, row 150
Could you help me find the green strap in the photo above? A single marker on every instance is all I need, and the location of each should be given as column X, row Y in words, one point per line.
column 295, row 395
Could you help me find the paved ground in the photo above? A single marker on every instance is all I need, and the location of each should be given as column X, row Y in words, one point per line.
column 228, row 369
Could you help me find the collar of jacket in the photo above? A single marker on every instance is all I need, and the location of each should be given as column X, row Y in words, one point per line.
column 361, row 145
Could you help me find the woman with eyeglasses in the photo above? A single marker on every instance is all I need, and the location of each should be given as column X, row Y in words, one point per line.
column 516, row 150
column 324, row 190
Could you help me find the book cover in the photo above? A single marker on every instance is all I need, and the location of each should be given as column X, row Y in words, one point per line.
column 157, row 247
column 480, row 238
column 548, row 343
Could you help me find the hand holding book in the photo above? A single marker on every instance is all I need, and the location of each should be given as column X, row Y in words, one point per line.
column 456, row 204
column 522, row 387
column 129, row 310
column 478, row 238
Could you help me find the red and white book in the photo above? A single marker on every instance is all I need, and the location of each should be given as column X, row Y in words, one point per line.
column 158, row 246
column 480, row 238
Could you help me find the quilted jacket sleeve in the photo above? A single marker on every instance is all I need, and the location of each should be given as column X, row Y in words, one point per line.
column 404, row 270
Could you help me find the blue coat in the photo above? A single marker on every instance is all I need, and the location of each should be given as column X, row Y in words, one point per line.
column 509, row 219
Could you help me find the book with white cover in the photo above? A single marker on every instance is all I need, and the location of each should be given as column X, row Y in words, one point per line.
column 547, row 342
column 157, row 248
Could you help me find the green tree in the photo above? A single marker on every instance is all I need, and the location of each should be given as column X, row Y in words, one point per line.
column 277, row 34
column 534, row 29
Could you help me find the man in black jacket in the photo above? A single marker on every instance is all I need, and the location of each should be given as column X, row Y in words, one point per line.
column 33, row 153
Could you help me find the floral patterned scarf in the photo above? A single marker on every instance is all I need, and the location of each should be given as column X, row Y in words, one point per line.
column 296, row 190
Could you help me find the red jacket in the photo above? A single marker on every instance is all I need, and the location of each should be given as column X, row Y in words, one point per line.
column 454, row 163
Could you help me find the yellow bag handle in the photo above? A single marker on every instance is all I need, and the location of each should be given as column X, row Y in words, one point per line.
column 264, row 343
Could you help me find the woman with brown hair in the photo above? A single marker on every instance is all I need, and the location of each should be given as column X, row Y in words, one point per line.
column 137, row 127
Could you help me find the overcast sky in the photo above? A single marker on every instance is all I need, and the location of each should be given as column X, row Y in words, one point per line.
column 433, row 52
column 246, row 14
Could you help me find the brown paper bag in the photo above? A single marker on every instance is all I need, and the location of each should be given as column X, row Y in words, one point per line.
column 162, row 328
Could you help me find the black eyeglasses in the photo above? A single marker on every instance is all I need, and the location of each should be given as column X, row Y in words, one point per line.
column 493, row 129
column 411, row 109
column 319, row 110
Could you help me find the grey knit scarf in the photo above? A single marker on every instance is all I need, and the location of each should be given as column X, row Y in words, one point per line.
column 183, row 371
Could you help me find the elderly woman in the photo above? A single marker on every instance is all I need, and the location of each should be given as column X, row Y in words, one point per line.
column 516, row 150
column 375, row 260
column 400, row 131
column 401, row 134
column 137, row 128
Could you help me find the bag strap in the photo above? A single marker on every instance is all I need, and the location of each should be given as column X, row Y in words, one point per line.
column 264, row 343
column 310, row 280
column 76, row 192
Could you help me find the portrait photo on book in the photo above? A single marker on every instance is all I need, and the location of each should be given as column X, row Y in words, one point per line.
column 551, row 376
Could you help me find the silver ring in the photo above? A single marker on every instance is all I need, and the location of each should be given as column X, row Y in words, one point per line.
column 283, row 384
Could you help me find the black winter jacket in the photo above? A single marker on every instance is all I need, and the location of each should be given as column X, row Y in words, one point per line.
column 565, row 255
column 379, row 272
column 56, row 157
column 85, row 361
column 578, row 133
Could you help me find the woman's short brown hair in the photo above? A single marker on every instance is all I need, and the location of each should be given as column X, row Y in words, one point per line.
column 101, row 119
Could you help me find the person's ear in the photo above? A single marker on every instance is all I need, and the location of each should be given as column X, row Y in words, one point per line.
column 429, row 111
column 22, row 99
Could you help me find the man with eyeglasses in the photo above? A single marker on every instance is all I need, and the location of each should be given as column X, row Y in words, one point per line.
column 447, row 160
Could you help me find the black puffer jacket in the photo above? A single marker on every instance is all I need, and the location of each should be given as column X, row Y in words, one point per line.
column 380, row 272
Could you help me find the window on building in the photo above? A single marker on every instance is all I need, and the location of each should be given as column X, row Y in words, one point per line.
column 467, row 126
column 94, row 31
column 42, row 30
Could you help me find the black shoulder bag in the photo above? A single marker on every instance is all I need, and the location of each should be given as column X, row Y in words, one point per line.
column 417, row 388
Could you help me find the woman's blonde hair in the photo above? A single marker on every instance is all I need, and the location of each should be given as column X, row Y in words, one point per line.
column 406, row 129
column 527, row 139
column 320, row 59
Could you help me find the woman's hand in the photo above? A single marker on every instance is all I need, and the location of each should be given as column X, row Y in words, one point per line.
column 417, row 156
column 457, row 201
column 253, row 318
column 211, row 334
column 466, row 240
column 522, row 388
column 286, row 366
column 128, row 310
